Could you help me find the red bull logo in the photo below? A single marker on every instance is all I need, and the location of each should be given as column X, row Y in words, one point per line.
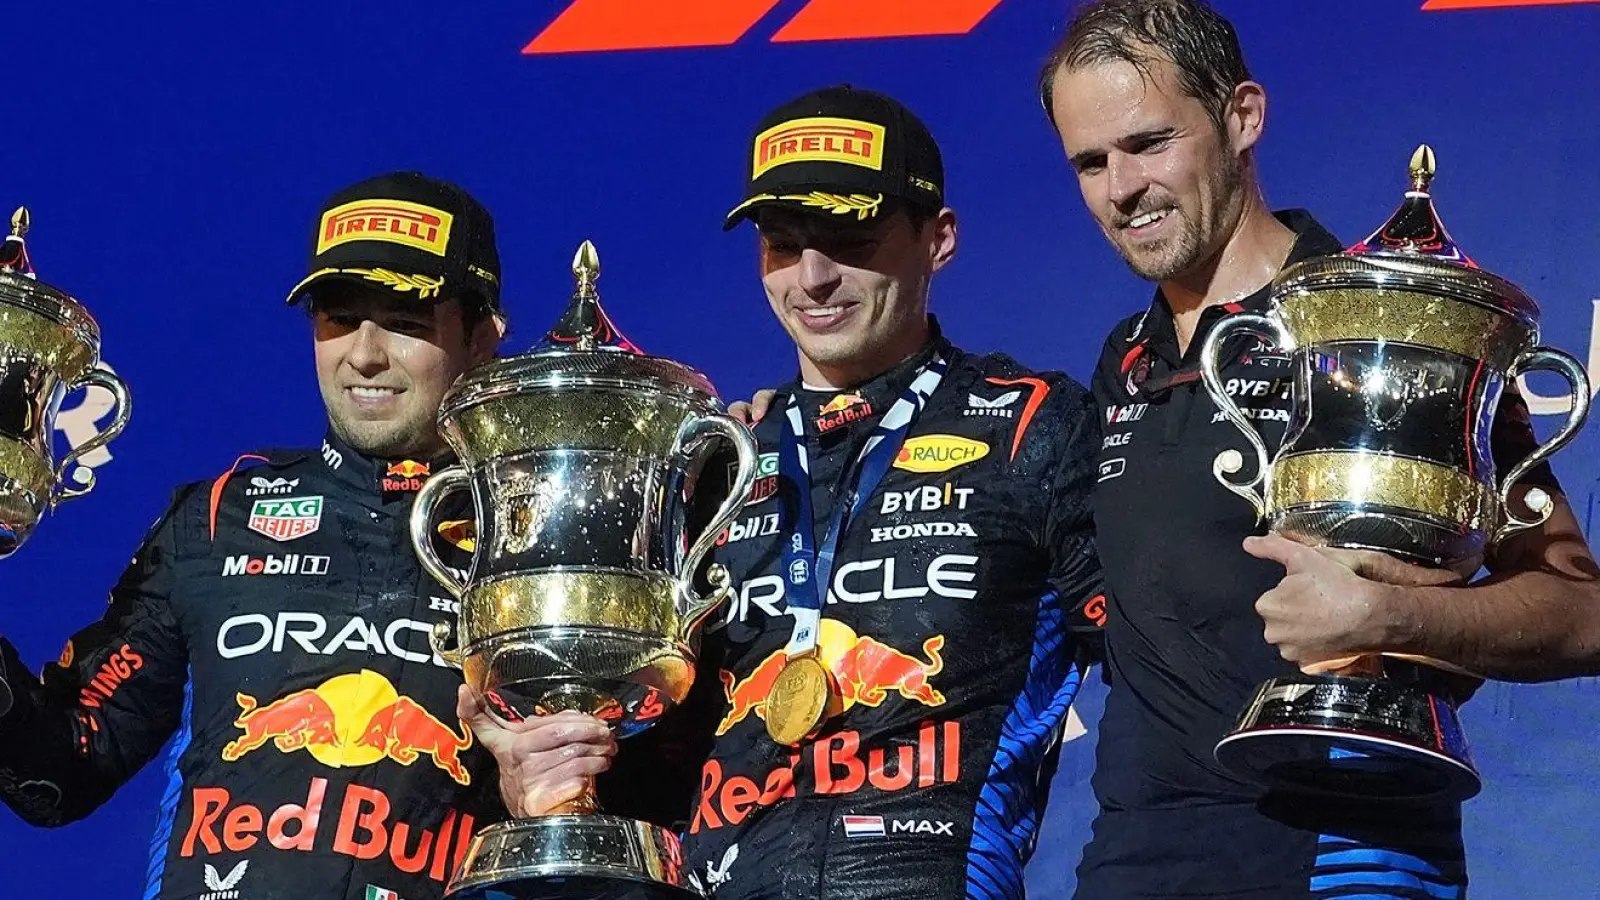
column 408, row 468
column 366, row 828
column 842, row 410
column 406, row 475
column 865, row 670
column 351, row 720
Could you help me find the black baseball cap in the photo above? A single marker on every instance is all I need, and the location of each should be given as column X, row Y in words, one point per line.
column 841, row 150
column 418, row 236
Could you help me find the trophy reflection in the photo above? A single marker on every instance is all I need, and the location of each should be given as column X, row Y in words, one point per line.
column 1400, row 349
column 49, row 347
column 588, row 463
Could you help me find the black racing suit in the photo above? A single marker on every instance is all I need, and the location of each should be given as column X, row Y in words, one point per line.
column 276, row 621
column 964, row 600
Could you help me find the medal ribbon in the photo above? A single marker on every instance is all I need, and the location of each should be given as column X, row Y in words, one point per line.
column 807, row 567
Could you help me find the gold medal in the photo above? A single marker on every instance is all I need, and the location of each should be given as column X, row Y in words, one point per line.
column 801, row 699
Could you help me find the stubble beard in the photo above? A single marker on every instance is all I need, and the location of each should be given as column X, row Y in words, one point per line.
column 1187, row 248
column 387, row 439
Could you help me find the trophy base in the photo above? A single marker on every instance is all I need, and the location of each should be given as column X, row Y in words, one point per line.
column 1352, row 737
column 568, row 856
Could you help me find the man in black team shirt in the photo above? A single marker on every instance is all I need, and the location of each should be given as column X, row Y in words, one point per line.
column 964, row 588
column 1159, row 118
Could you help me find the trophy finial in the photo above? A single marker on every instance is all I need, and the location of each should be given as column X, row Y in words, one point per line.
column 1423, row 167
column 585, row 326
column 586, row 264
column 14, row 249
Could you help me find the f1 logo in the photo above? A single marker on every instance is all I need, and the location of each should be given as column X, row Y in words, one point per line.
column 597, row 25
column 1433, row 5
column 593, row 25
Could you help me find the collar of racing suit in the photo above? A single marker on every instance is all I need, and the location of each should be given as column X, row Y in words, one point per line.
column 878, row 393
column 385, row 479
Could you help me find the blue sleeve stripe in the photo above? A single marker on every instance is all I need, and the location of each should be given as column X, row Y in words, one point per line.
column 170, row 797
column 1006, row 818
column 1379, row 859
column 1378, row 880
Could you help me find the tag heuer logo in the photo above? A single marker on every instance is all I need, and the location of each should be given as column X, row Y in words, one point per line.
column 286, row 519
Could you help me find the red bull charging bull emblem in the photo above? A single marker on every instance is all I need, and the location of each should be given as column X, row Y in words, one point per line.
column 865, row 670
column 351, row 720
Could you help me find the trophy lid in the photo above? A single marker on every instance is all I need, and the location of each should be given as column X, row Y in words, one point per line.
column 20, row 286
column 583, row 349
column 1415, row 228
column 1414, row 251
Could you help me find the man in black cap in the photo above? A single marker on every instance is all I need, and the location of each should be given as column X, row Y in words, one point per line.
column 916, row 584
column 276, row 619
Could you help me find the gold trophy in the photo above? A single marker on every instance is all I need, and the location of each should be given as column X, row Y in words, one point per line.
column 588, row 463
column 1400, row 348
column 49, row 346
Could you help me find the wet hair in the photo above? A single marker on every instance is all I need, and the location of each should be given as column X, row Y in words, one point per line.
column 1201, row 44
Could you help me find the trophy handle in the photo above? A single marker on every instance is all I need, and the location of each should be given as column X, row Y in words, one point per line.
column 1229, row 462
column 1547, row 359
column 112, row 382
column 744, row 444
column 433, row 492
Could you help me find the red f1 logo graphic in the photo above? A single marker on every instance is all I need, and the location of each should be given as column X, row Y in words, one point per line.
column 1436, row 5
column 594, row 25
column 589, row 25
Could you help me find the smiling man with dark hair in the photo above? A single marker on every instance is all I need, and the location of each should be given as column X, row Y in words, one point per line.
column 275, row 620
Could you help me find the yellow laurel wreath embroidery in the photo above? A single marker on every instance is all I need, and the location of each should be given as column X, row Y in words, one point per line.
column 839, row 204
column 424, row 286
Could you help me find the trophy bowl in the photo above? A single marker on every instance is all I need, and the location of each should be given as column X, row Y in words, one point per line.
column 1400, row 349
column 49, row 347
column 584, row 460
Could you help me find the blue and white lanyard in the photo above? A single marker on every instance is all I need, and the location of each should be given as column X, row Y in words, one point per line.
column 808, row 568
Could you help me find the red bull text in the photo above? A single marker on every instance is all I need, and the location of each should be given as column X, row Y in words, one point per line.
column 365, row 829
column 837, row 763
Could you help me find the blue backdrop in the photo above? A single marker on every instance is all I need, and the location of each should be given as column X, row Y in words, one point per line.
column 174, row 155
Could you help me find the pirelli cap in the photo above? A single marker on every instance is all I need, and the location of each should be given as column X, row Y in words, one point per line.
column 412, row 234
column 842, row 151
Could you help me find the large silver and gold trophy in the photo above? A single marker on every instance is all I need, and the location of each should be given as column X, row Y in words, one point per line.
column 49, row 347
column 587, row 462
column 1400, row 348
